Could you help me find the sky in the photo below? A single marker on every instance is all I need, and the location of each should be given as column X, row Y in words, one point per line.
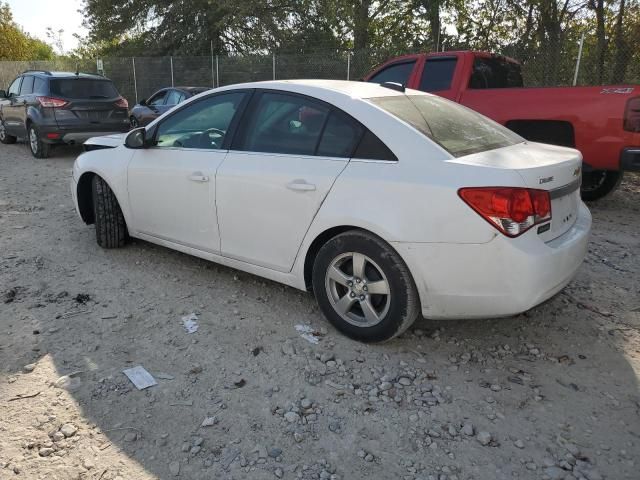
column 34, row 16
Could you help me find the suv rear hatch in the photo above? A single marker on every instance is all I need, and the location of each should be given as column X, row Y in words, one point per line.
column 542, row 167
column 92, row 105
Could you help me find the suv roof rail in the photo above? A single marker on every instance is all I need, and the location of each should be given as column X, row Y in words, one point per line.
column 46, row 72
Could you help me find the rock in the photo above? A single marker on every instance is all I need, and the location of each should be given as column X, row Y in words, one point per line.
column 68, row 430
column 131, row 437
column 57, row 437
column 288, row 348
column 362, row 453
column 555, row 473
column 261, row 451
column 305, row 403
column 45, row 452
column 384, row 386
column 368, row 458
column 327, row 356
column 209, row 421
column 275, row 452
column 519, row 443
column 68, row 382
column 468, row 430
column 278, row 472
column 291, row 417
column 174, row 468
column 29, row 368
column 484, row 438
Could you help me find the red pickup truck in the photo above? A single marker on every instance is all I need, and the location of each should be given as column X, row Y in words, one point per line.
column 602, row 122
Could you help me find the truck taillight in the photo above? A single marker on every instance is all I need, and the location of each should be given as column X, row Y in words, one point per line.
column 51, row 102
column 512, row 211
column 122, row 103
column 632, row 115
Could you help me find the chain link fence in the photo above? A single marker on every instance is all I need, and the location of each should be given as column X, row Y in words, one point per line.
column 137, row 78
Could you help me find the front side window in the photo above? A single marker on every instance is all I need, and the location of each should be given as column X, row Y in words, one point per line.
column 173, row 98
column 85, row 88
column 27, row 85
column 495, row 73
column 287, row 124
column 457, row 129
column 14, row 89
column 203, row 124
column 437, row 74
column 157, row 99
column 397, row 73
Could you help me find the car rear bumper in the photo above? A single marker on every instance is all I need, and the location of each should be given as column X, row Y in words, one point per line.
column 500, row 278
column 80, row 135
column 630, row 159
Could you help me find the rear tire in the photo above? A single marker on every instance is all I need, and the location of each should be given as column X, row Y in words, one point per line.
column 347, row 271
column 4, row 136
column 597, row 184
column 111, row 228
column 38, row 148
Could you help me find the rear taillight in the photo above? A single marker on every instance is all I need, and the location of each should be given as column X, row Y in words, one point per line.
column 122, row 103
column 51, row 102
column 513, row 211
column 632, row 115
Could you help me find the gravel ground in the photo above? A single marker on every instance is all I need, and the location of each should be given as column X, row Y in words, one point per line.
column 552, row 393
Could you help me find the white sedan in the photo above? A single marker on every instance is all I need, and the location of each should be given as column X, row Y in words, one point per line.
column 386, row 203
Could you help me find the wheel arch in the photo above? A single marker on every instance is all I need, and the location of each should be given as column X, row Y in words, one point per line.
column 554, row 132
column 85, row 196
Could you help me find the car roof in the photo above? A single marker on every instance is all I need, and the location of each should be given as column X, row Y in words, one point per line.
column 361, row 90
column 193, row 89
column 48, row 74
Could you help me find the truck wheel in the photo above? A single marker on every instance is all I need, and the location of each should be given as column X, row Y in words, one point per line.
column 111, row 228
column 4, row 136
column 364, row 288
column 38, row 148
column 598, row 184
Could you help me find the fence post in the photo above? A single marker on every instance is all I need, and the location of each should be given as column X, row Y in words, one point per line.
column 575, row 75
column 348, row 65
column 135, row 81
column 274, row 66
column 213, row 77
column 217, row 71
column 171, row 60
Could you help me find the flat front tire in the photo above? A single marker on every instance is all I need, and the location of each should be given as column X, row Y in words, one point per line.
column 111, row 228
column 364, row 288
column 38, row 148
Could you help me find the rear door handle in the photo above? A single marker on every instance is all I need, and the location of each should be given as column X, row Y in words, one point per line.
column 198, row 177
column 301, row 186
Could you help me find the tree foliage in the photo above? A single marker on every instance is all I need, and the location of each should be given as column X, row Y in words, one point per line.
column 16, row 44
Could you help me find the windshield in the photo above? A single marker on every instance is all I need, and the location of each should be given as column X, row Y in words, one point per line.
column 455, row 128
column 83, row 88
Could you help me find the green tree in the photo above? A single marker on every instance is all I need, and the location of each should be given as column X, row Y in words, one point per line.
column 17, row 45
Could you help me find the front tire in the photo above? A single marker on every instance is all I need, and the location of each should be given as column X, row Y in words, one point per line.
column 38, row 148
column 598, row 184
column 364, row 288
column 4, row 136
column 111, row 228
column 133, row 121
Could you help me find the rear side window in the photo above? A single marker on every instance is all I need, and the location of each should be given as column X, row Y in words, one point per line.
column 83, row 88
column 457, row 129
column 495, row 73
column 14, row 89
column 40, row 86
column 340, row 137
column 372, row 148
column 27, row 85
column 437, row 74
column 287, row 124
column 398, row 73
column 173, row 98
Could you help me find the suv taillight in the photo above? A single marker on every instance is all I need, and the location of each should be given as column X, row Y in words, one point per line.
column 512, row 211
column 632, row 115
column 122, row 103
column 51, row 102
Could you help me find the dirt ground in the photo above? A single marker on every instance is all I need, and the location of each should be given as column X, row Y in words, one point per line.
column 552, row 393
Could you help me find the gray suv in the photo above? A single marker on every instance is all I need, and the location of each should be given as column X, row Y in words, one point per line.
column 50, row 108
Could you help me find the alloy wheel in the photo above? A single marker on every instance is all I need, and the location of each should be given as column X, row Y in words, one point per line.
column 33, row 140
column 358, row 289
column 3, row 132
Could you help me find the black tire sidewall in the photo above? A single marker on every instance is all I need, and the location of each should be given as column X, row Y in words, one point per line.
column 611, row 182
column 391, row 264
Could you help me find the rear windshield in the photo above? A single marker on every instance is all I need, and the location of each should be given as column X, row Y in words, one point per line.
column 82, row 88
column 455, row 128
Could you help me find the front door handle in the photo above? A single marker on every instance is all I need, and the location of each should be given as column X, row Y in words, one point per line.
column 301, row 186
column 198, row 177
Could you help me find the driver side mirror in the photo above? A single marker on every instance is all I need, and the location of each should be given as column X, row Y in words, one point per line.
column 143, row 102
column 3, row 94
column 136, row 138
